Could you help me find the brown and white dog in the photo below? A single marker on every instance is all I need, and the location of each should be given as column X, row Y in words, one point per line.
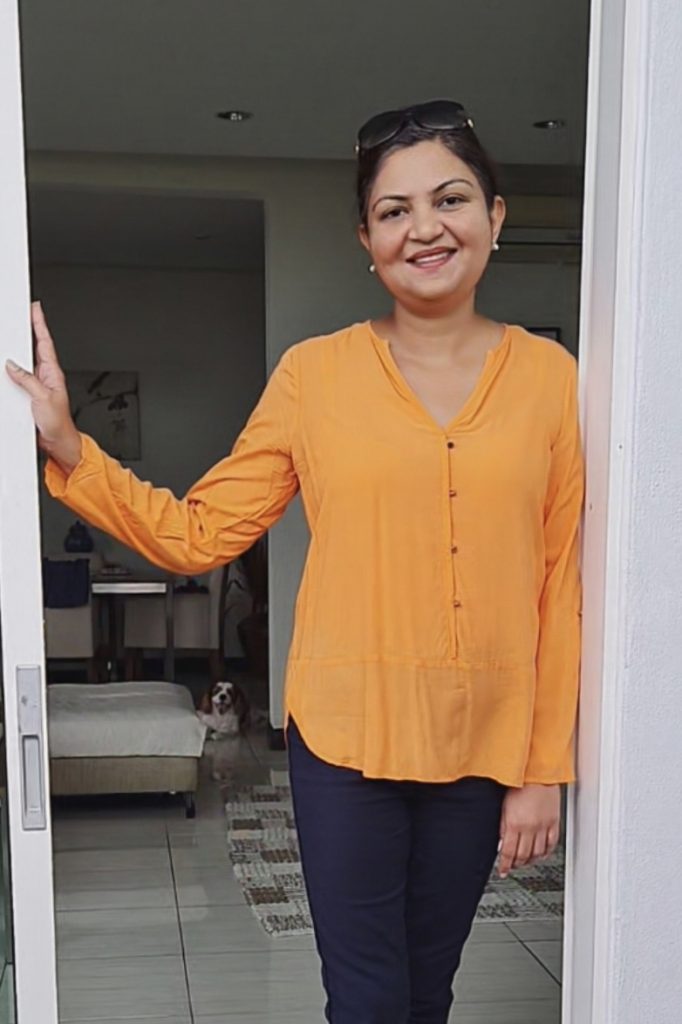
column 224, row 710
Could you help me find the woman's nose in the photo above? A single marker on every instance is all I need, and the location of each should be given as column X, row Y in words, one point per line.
column 426, row 226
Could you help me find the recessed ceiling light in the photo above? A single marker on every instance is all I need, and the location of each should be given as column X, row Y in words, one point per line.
column 235, row 115
column 553, row 125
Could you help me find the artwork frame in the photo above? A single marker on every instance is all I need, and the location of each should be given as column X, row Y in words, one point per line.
column 553, row 333
column 106, row 405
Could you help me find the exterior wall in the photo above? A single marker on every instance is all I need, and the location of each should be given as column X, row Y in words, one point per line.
column 624, row 895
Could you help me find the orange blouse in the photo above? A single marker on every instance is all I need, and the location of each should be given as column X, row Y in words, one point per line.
column 437, row 628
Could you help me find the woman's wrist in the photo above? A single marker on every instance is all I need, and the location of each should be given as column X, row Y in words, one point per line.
column 66, row 452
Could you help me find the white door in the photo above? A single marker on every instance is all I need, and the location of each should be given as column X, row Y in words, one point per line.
column 27, row 934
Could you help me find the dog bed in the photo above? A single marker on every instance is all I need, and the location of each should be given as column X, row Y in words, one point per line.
column 135, row 737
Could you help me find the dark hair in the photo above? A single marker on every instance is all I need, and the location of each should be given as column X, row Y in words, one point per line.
column 462, row 142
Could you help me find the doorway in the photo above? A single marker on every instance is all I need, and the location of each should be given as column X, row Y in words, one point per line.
column 333, row 301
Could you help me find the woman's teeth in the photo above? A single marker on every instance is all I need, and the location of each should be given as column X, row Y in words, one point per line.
column 433, row 260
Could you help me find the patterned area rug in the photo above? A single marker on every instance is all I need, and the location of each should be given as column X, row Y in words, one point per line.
column 264, row 852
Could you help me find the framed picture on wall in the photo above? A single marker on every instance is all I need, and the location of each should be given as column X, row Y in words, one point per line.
column 106, row 405
column 547, row 332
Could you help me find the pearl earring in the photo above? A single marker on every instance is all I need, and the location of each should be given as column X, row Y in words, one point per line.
column 496, row 246
column 371, row 268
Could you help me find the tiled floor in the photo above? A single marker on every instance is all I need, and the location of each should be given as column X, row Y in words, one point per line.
column 153, row 929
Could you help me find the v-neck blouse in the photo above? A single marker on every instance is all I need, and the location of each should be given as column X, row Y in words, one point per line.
column 493, row 359
column 437, row 625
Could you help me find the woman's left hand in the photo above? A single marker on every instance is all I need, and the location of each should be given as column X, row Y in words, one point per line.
column 530, row 825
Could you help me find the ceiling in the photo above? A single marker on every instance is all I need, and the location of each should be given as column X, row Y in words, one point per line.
column 149, row 76
column 125, row 229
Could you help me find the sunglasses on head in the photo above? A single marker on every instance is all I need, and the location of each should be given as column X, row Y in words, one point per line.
column 437, row 116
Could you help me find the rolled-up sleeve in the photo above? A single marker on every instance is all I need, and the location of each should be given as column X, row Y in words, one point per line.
column 221, row 516
column 551, row 756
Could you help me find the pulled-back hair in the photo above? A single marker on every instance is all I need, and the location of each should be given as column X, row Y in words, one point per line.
column 462, row 142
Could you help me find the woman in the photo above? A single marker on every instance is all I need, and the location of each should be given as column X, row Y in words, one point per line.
column 432, row 682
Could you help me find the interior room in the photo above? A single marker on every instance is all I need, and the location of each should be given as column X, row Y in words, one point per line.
column 191, row 216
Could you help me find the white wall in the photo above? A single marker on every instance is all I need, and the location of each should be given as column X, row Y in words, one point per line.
column 197, row 340
column 645, row 816
column 624, row 887
column 534, row 294
column 316, row 281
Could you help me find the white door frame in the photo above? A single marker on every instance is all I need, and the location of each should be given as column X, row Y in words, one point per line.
column 20, row 582
column 618, row 79
column 615, row 195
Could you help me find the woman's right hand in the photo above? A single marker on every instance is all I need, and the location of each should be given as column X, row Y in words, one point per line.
column 46, row 388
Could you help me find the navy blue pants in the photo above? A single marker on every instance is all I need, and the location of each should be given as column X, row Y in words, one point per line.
column 394, row 873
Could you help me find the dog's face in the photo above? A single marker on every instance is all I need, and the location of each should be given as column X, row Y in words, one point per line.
column 224, row 698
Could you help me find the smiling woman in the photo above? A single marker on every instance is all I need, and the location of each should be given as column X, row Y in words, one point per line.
column 432, row 681
column 428, row 202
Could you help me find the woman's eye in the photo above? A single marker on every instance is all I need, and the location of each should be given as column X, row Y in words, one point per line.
column 448, row 201
column 394, row 212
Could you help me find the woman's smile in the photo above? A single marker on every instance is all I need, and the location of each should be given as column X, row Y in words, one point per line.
column 432, row 260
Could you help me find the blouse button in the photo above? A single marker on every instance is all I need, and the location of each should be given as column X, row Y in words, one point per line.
column 454, row 549
column 451, row 444
column 453, row 494
column 457, row 604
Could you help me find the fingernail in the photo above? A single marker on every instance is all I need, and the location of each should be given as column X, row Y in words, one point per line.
column 12, row 365
column 499, row 846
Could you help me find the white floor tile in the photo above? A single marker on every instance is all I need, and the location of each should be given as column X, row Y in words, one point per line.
column 550, row 953
column 534, row 931
column 200, row 851
column 199, row 826
column 313, row 1016
column 502, row 972
column 122, row 989
column 536, row 1011
column 208, row 885
column 114, row 890
column 146, row 1020
column 487, row 956
column 109, row 837
column 214, row 841
column 256, row 983
column 117, row 933
column 232, row 930
column 75, row 861
column 490, row 931
column 232, row 751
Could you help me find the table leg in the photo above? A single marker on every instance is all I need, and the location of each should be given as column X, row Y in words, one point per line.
column 112, row 663
column 169, row 660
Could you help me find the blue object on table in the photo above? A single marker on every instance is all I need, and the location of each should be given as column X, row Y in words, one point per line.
column 78, row 540
column 66, row 584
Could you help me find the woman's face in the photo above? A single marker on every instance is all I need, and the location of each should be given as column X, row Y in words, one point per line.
column 429, row 231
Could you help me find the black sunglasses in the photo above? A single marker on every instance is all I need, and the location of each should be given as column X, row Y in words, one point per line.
column 437, row 116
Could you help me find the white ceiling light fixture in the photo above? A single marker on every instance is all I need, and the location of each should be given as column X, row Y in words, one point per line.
column 554, row 124
column 235, row 116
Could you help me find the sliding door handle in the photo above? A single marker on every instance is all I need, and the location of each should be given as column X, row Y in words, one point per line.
column 31, row 745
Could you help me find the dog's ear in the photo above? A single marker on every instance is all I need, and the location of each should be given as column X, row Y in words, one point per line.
column 241, row 707
column 205, row 704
